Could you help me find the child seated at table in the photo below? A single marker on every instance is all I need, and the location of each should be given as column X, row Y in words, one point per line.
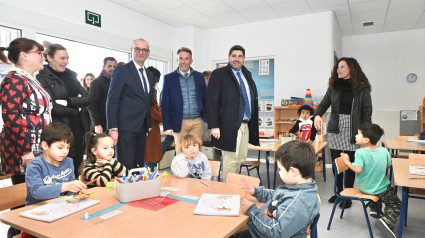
column 305, row 125
column 370, row 165
column 51, row 174
column 191, row 162
column 100, row 164
column 289, row 210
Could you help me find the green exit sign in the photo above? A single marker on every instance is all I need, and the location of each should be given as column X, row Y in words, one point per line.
column 93, row 18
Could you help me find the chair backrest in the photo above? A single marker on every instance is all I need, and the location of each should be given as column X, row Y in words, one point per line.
column 340, row 165
column 405, row 138
column 13, row 196
column 236, row 179
column 313, row 227
column 416, row 159
column 215, row 167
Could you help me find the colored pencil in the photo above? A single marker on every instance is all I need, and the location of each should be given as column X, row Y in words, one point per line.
column 91, row 182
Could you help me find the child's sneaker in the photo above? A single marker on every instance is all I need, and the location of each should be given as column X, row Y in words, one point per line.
column 386, row 230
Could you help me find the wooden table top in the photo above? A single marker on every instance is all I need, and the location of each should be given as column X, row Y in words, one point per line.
column 401, row 174
column 318, row 146
column 175, row 220
column 393, row 144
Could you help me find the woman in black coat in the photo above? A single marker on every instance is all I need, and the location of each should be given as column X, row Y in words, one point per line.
column 68, row 97
column 349, row 97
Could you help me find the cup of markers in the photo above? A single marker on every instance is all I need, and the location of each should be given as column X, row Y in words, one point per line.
column 140, row 183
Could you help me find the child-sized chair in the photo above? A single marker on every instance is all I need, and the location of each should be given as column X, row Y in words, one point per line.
column 236, row 179
column 351, row 193
column 312, row 231
column 215, row 169
column 253, row 165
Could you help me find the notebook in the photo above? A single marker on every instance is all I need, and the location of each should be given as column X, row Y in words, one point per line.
column 218, row 205
column 58, row 209
column 417, row 170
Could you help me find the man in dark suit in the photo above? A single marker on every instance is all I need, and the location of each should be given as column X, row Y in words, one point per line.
column 128, row 106
column 232, row 110
column 98, row 94
column 183, row 100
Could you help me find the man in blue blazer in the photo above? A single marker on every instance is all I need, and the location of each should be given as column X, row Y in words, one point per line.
column 128, row 106
column 183, row 100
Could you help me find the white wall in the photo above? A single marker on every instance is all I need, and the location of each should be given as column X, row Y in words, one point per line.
column 387, row 58
column 120, row 26
column 302, row 47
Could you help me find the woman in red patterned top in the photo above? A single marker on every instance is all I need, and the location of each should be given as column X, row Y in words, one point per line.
column 25, row 107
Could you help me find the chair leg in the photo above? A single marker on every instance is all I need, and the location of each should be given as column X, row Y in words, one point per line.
column 407, row 208
column 219, row 173
column 247, row 170
column 332, row 214
column 258, row 173
column 343, row 209
column 240, row 169
column 324, row 165
column 367, row 218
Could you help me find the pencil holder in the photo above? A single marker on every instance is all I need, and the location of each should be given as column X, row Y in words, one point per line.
column 128, row 192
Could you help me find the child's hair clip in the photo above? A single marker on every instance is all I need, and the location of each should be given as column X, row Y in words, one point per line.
column 94, row 134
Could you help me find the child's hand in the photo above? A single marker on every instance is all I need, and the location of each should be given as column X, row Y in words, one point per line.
column 245, row 204
column 345, row 158
column 249, row 188
column 74, row 186
column 102, row 162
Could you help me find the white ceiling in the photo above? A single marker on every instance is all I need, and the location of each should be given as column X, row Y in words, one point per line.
column 387, row 15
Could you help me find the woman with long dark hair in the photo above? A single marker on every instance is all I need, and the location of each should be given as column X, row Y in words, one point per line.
column 348, row 95
column 68, row 97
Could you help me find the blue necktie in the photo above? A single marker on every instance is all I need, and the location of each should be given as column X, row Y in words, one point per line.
column 144, row 82
column 244, row 95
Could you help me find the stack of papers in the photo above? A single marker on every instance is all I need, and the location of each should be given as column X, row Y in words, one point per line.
column 417, row 170
column 218, row 205
column 417, row 142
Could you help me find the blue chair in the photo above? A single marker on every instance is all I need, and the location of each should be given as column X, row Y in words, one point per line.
column 313, row 227
column 351, row 193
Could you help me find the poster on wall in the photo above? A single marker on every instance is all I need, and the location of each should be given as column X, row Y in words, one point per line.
column 222, row 65
column 264, row 67
column 260, row 122
column 269, row 122
column 268, row 106
column 260, row 106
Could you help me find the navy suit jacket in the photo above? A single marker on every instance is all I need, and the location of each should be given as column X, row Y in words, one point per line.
column 127, row 107
column 172, row 100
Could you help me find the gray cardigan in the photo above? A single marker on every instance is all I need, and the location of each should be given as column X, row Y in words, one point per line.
column 361, row 111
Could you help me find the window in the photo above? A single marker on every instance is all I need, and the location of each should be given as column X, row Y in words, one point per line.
column 7, row 35
column 85, row 58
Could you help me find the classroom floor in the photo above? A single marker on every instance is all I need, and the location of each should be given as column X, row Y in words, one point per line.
column 352, row 225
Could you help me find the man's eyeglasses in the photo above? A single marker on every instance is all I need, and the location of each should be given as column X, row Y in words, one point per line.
column 36, row 52
column 144, row 50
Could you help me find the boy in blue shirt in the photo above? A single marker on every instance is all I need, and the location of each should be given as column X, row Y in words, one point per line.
column 51, row 174
column 289, row 210
column 370, row 165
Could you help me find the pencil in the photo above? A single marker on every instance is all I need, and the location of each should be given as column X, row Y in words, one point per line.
column 91, row 182
column 204, row 183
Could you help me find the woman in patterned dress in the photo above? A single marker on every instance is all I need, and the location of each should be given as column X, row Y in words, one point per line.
column 25, row 107
column 348, row 95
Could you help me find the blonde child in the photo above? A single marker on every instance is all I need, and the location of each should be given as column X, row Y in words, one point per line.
column 99, row 163
column 191, row 162
column 288, row 210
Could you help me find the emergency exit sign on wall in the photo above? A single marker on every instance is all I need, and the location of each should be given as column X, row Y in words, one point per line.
column 93, row 18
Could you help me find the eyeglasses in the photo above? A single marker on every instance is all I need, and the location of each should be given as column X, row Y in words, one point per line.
column 36, row 52
column 144, row 50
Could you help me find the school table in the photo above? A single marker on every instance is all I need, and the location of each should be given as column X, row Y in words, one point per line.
column 175, row 220
column 394, row 145
column 318, row 146
column 401, row 178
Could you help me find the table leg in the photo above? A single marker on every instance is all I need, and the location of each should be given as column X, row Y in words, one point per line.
column 275, row 169
column 267, row 168
column 404, row 195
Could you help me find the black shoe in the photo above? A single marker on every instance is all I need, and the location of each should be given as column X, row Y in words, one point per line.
column 385, row 228
column 332, row 199
column 373, row 213
column 347, row 204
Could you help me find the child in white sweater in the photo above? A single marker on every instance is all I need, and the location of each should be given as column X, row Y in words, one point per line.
column 191, row 162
